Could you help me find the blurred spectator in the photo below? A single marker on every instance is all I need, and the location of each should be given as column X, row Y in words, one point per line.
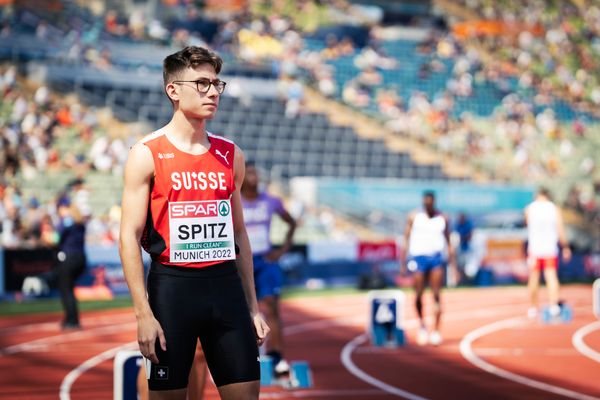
column 71, row 260
column 464, row 228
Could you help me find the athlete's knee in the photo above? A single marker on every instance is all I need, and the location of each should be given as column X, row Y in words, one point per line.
column 437, row 303
column 178, row 394
column 239, row 391
column 419, row 302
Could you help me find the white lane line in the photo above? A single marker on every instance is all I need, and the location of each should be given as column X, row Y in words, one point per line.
column 69, row 380
column 87, row 322
column 294, row 329
column 346, row 358
column 67, row 383
column 38, row 344
column 350, row 347
column 581, row 346
column 363, row 393
column 467, row 352
column 521, row 351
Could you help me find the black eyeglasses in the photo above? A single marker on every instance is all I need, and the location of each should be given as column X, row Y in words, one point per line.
column 203, row 85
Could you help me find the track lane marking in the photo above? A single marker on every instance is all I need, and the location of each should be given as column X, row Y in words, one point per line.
column 580, row 344
column 468, row 353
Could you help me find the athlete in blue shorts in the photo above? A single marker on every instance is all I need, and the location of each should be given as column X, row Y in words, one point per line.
column 427, row 237
column 259, row 208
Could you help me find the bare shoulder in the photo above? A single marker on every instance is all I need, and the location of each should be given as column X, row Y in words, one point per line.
column 140, row 161
column 239, row 164
column 240, row 157
column 238, row 151
column 412, row 214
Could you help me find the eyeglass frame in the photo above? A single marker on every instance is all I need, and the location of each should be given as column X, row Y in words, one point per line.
column 210, row 83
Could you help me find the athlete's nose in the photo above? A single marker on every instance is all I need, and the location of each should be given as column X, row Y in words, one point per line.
column 213, row 92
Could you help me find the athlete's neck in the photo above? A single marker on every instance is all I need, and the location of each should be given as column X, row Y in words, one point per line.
column 431, row 212
column 249, row 194
column 189, row 134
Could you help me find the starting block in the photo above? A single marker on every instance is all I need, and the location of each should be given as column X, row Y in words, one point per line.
column 565, row 316
column 126, row 368
column 300, row 375
column 386, row 318
column 596, row 290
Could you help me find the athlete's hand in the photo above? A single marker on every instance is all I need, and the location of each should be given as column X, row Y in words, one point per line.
column 260, row 328
column 453, row 275
column 148, row 331
column 566, row 254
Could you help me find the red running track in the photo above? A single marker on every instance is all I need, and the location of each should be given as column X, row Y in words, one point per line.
column 490, row 351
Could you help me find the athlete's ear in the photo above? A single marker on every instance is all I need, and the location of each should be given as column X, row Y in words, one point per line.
column 172, row 92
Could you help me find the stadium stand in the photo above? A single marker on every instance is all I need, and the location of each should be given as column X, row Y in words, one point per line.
column 425, row 87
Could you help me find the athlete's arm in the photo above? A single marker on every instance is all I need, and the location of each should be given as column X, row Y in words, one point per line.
column 276, row 254
column 244, row 259
column 453, row 279
column 139, row 170
column 451, row 256
column 562, row 236
column 407, row 230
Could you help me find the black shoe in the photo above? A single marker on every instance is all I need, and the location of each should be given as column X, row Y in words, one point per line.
column 70, row 326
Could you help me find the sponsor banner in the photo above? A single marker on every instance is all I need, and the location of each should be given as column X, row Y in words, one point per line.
column 21, row 263
column 402, row 196
column 506, row 258
column 329, row 250
column 591, row 264
column 378, row 251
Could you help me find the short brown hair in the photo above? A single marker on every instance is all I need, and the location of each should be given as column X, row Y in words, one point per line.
column 191, row 56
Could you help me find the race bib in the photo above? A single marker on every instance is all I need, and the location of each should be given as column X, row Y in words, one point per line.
column 201, row 231
column 259, row 238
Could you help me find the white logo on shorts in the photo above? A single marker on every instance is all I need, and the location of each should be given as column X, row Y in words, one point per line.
column 162, row 373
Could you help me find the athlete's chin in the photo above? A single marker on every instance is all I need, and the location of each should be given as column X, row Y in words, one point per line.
column 203, row 115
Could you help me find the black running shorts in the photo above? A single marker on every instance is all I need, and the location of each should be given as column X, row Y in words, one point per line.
column 209, row 304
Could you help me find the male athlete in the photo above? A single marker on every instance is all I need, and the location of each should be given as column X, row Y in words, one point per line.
column 546, row 232
column 427, row 236
column 259, row 208
column 181, row 203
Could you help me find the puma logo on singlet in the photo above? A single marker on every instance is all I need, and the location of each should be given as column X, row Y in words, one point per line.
column 217, row 152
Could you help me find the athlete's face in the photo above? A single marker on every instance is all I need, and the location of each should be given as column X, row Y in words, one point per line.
column 428, row 203
column 251, row 178
column 190, row 100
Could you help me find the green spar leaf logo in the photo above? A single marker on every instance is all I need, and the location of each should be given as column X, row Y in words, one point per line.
column 224, row 209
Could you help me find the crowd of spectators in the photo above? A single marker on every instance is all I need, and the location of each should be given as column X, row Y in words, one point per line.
column 521, row 135
column 554, row 45
column 43, row 134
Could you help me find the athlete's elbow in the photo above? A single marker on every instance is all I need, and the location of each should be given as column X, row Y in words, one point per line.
column 128, row 240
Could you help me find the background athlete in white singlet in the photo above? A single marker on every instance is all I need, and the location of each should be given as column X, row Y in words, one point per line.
column 427, row 236
column 545, row 233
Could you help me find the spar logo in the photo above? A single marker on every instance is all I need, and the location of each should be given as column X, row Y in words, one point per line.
column 196, row 209
column 224, row 209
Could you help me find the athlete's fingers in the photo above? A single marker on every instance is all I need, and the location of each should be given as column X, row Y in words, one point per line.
column 162, row 340
column 151, row 355
column 147, row 349
column 261, row 328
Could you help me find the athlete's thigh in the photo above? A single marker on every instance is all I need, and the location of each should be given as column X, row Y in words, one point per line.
column 229, row 341
column 550, row 272
column 166, row 295
column 419, row 281
column 436, row 279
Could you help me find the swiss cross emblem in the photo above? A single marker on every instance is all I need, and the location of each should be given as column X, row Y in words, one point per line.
column 161, row 373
